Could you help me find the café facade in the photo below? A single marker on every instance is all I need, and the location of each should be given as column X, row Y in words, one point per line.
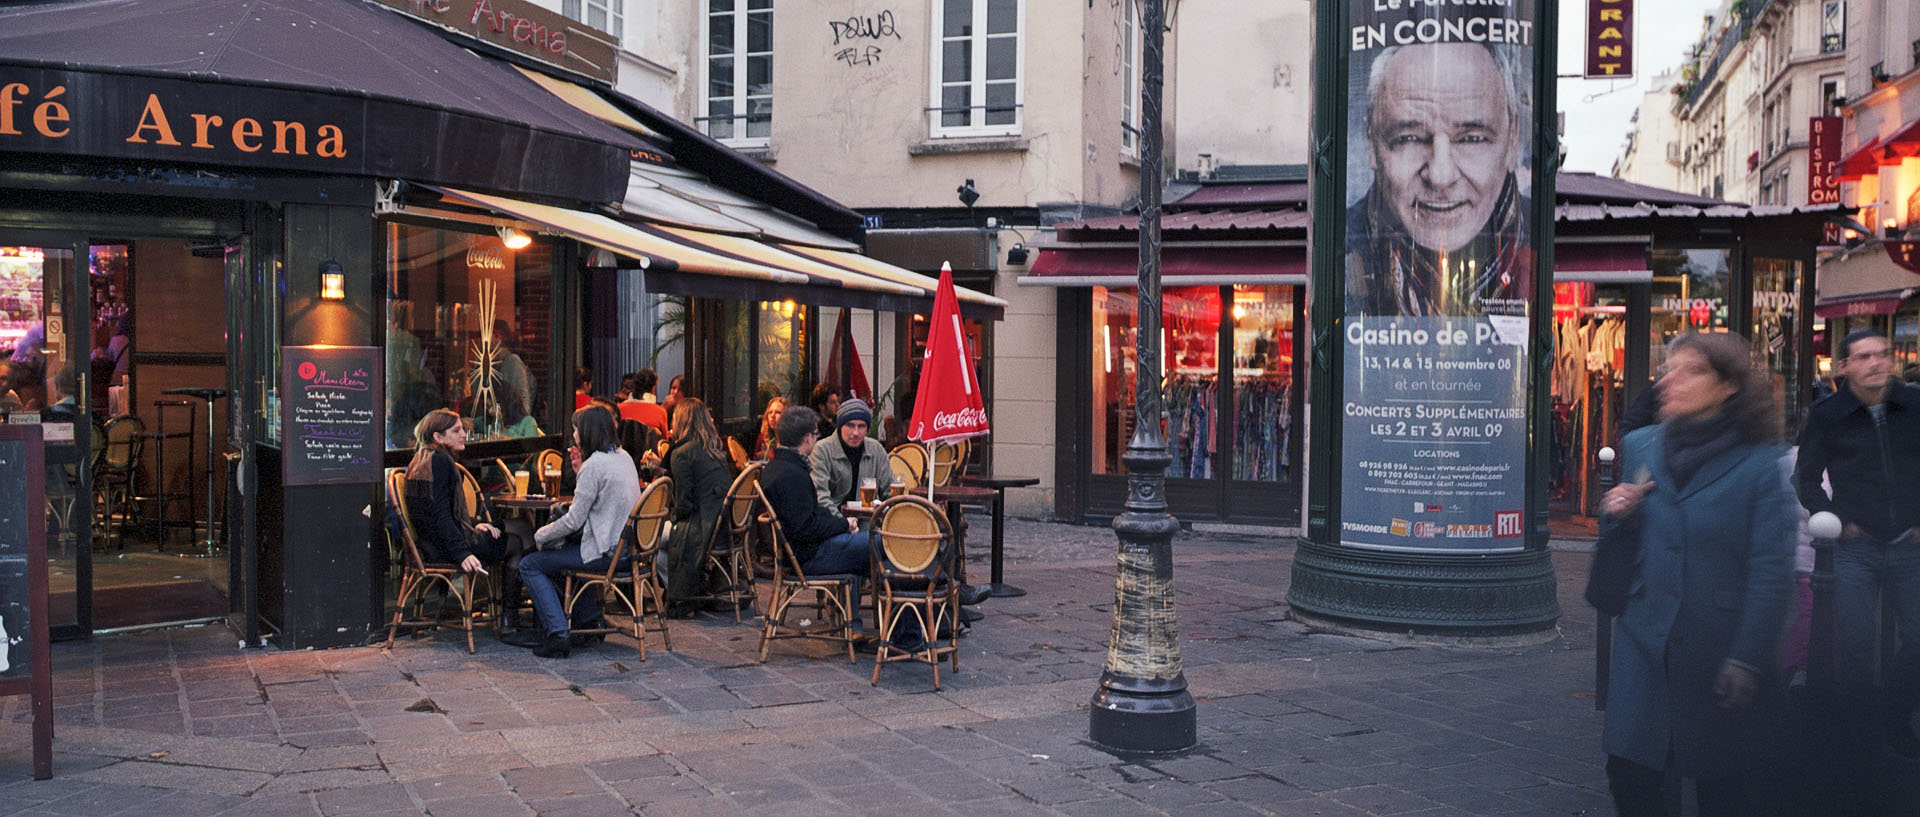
column 341, row 214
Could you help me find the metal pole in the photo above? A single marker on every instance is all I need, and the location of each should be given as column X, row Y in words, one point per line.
column 1603, row 623
column 1143, row 704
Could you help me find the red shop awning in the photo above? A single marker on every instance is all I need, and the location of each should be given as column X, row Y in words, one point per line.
column 1601, row 263
column 1179, row 266
column 1882, row 151
column 1873, row 303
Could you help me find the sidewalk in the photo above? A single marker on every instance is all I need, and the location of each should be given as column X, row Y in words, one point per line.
column 1292, row 722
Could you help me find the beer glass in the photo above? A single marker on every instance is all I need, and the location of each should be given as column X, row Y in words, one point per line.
column 550, row 479
column 897, row 489
column 868, row 488
column 520, row 480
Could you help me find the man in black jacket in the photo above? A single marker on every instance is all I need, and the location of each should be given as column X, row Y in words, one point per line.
column 1865, row 439
column 823, row 541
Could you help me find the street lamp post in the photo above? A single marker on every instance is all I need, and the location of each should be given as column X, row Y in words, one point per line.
column 1143, row 704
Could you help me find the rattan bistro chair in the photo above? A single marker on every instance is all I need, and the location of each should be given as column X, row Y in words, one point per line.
column 909, row 463
column 113, row 475
column 417, row 575
column 633, row 574
column 913, row 574
column 729, row 553
column 834, row 606
column 949, row 461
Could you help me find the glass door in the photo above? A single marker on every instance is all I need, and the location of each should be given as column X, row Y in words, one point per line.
column 45, row 345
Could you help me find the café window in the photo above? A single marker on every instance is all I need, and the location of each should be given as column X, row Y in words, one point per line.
column 468, row 328
column 758, row 353
column 1776, row 306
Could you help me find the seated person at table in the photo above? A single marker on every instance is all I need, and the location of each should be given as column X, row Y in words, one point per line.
column 823, row 541
column 606, row 490
column 849, row 456
column 639, row 403
column 17, row 392
column 697, row 463
column 447, row 532
column 767, row 439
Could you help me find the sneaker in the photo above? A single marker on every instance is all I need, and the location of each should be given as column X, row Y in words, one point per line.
column 555, row 646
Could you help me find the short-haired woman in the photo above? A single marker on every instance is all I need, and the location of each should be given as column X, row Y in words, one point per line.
column 447, row 531
column 1694, row 686
column 605, row 491
column 697, row 463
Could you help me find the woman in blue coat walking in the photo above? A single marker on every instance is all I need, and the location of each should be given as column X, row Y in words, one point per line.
column 1694, row 686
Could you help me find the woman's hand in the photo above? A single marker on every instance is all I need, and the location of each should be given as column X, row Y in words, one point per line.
column 574, row 457
column 471, row 564
column 1735, row 687
column 488, row 530
column 1624, row 498
column 649, row 458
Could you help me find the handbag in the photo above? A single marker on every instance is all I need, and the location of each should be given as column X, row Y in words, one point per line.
column 1615, row 558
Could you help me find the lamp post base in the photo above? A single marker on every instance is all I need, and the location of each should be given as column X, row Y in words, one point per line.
column 1491, row 595
column 1142, row 715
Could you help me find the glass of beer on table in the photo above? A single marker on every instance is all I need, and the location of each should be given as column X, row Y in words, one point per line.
column 897, row 489
column 520, row 480
column 869, row 488
column 550, row 479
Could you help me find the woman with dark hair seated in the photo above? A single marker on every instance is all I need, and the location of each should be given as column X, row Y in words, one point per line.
column 697, row 463
column 605, row 491
column 447, row 531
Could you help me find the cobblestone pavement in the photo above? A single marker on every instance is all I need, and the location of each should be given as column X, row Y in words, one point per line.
column 1292, row 721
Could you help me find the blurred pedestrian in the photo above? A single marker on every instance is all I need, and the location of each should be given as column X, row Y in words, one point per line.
column 1693, row 688
column 1865, row 440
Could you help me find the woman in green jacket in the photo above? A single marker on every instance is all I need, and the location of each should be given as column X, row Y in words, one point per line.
column 697, row 463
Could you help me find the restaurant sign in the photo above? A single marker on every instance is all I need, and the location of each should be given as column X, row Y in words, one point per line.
column 125, row 116
column 1609, row 38
column 523, row 28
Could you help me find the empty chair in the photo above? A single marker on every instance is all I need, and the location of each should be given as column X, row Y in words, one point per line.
column 113, row 476
column 729, row 555
column 909, row 464
column 913, row 558
column 949, row 461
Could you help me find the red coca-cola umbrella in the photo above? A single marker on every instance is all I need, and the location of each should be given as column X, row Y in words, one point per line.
column 947, row 406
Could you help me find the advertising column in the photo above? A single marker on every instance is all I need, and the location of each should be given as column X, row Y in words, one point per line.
column 1425, row 368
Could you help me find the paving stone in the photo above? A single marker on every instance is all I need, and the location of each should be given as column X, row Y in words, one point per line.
column 1057, row 790
column 487, row 805
column 596, row 805
column 631, row 768
column 547, row 782
column 383, row 798
column 457, row 785
column 168, row 776
column 1381, row 800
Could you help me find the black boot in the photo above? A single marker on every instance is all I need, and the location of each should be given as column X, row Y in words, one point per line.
column 556, row 646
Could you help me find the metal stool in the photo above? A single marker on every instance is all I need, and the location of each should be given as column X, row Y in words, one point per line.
column 209, row 546
column 162, row 495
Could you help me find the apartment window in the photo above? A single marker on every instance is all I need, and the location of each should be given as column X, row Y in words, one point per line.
column 1130, row 78
column 606, row 15
column 1833, row 93
column 739, row 68
column 1833, row 26
column 976, row 70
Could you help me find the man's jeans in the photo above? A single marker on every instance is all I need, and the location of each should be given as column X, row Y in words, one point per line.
column 1862, row 569
column 539, row 571
column 851, row 553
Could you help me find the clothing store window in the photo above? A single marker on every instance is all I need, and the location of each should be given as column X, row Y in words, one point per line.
column 1689, row 291
column 1262, row 382
column 468, row 328
column 1588, row 386
column 1190, row 344
column 1776, row 305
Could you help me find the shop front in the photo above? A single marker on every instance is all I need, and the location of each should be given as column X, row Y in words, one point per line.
column 1634, row 267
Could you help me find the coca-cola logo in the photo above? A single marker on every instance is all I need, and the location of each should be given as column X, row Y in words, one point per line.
column 486, row 258
column 964, row 418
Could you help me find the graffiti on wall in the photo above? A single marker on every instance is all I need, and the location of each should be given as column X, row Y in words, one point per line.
column 848, row 35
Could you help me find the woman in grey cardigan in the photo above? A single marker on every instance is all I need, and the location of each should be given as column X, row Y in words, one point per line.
column 607, row 488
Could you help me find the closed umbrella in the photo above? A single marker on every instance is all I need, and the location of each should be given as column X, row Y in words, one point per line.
column 947, row 405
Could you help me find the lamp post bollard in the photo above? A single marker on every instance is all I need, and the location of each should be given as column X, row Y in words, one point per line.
column 1825, row 528
column 1603, row 623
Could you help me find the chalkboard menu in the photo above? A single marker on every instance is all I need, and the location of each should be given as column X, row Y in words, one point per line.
column 22, row 502
column 330, row 403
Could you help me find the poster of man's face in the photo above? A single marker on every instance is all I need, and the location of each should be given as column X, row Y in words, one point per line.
column 1438, row 170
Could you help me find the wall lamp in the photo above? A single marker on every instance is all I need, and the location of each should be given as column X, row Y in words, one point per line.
column 514, row 239
column 1017, row 255
column 968, row 195
column 333, row 281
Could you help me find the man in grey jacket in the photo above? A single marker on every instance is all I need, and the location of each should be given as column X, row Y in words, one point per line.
column 841, row 463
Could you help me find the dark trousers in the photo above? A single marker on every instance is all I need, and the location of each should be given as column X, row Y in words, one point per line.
column 1641, row 791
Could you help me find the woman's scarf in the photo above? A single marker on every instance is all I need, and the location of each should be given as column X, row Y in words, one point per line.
column 1692, row 442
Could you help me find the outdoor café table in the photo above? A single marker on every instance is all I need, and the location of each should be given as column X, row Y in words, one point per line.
column 951, row 497
column 997, row 587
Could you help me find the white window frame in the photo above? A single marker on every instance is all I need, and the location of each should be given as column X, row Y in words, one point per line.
column 740, row 55
column 615, row 11
column 978, row 80
column 1130, row 44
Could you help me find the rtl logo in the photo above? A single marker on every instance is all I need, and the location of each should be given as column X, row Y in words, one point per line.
column 1506, row 524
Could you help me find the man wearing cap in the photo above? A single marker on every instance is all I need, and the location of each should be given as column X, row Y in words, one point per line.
column 841, row 462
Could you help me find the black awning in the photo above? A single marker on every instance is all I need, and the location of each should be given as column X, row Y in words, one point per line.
column 331, row 86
